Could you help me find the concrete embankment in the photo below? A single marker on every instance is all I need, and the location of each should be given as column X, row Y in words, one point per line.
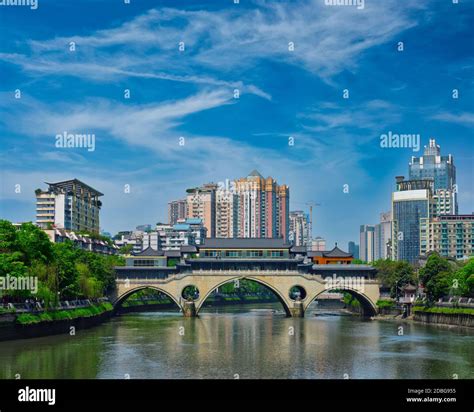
column 11, row 329
column 456, row 319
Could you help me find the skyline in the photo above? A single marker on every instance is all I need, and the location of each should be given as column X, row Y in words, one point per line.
column 190, row 94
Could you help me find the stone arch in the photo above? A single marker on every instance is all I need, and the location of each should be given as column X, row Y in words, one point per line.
column 120, row 299
column 277, row 293
column 368, row 306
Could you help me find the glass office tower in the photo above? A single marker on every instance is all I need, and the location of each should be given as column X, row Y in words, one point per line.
column 412, row 206
column 440, row 169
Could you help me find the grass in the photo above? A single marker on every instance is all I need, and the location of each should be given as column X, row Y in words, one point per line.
column 385, row 303
column 50, row 316
column 444, row 311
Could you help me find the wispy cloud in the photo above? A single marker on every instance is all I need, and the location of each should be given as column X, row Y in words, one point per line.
column 464, row 119
column 328, row 116
column 224, row 43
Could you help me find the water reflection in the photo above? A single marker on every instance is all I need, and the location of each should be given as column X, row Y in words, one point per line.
column 253, row 342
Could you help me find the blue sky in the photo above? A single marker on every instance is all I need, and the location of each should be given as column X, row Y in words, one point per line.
column 283, row 93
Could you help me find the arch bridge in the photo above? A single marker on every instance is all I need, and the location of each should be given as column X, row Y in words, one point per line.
column 358, row 280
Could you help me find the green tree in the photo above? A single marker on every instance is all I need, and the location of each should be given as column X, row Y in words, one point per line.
column 33, row 243
column 126, row 249
column 89, row 286
column 436, row 277
column 65, row 257
column 394, row 274
column 7, row 237
column 462, row 281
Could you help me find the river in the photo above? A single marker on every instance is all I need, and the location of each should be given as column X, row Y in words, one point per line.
column 251, row 341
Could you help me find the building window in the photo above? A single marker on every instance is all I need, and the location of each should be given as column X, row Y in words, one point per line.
column 276, row 253
column 255, row 253
column 143, row 262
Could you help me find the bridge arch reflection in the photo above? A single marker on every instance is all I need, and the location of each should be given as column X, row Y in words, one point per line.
column 276, row 292
column 367, row 306
column 119, row 302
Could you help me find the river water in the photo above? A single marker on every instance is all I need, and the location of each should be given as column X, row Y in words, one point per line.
column 255, row 341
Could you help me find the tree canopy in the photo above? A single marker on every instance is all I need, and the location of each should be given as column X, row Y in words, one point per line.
column 63, row 270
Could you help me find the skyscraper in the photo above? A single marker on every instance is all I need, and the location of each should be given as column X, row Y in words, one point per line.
column 263, row 207
column 299, row 228
column 367, row 243
column 382, row 236
column 412, row 207
column 353, row 248
column 442, row 171
column 70, row 205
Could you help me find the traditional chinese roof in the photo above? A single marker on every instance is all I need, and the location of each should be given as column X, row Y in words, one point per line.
column 409, row 288
column 173, row 253
column 149, row 251
column 299, row 249
column 188, row 249
column 334, row 253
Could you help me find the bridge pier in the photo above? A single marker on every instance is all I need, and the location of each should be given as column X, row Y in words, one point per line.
column 189, row 309
column 297, row 310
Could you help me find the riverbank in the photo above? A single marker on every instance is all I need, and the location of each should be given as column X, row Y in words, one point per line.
column 37, row 324
column 32, row 325
column 444, row 316
column 438, row 316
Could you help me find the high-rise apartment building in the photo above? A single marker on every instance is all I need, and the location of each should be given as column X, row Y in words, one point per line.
column 263, row 207
column 440, row 169
column 382, row 237
column 201, row 204
column 253, row 207
column 227, row 213
column 177, row 210
column 452, row 236
column 299, row 228
column 412, row 208
column 70, row 205
column 367, row 243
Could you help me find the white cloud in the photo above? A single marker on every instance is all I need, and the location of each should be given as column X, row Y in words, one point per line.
column 224, row 43
column 464, row 119
column 372, row 115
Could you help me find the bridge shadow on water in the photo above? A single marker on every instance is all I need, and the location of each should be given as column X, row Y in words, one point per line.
column 235, row 297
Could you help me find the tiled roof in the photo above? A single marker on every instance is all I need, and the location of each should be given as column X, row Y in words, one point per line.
column 149, row 251
column 334, row 253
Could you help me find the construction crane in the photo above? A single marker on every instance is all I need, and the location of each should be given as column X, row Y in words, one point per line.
column 311, row 204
